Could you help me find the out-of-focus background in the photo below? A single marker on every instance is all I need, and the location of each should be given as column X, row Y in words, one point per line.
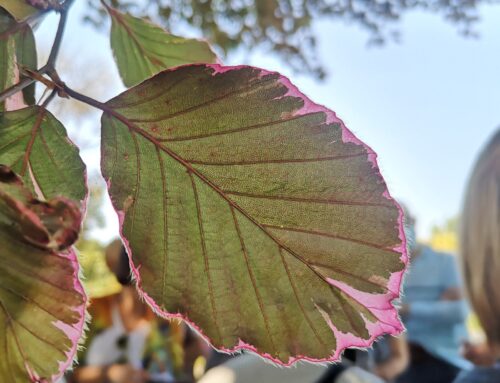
column 425, row 101
column 418, row 81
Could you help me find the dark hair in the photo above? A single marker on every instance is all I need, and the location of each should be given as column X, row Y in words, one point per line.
column 123, row 272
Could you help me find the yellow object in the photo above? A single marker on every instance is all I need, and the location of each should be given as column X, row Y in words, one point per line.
column 98, row 280
column 445, row 237
column 444, row 241
column 199, row 367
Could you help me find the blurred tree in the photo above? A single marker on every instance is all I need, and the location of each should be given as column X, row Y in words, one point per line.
column 284, row 26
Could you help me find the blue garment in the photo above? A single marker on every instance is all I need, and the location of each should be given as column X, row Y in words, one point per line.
column 436, row 325
column 480, row 375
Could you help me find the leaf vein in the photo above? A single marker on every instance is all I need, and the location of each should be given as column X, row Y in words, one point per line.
column 299, row 302
column 329, row 235
column 235, row 130
column 276, row 161
column 29, row 300
column 307, row 200
column 200, row 105
column 252, row 277
column 137, row 181
column 165, row 226
column 205, row 257
column 10, row 324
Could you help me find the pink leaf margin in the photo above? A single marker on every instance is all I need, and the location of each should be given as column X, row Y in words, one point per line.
column 73, row 332
column 76, row 332
column 380, row 305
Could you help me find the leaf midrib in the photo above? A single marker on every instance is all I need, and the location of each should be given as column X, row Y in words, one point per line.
column 29, row 147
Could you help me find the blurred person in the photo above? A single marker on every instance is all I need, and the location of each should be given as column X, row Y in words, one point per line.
column 480, row 259
column 480, row 354
column 383, row 362
column 434, row 313
column 251, row 368
column 126, row 342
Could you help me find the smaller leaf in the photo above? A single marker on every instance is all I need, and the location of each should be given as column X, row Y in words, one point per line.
column 26, row 59
column 35, row 145
column 42, row 303
column 17, row 52
column 142, row 49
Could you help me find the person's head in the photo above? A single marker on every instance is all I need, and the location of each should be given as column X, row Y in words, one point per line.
column 480, row 240
column 118, row 263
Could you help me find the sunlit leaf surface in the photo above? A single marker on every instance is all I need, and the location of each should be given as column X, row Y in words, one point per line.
column 142, row 49
column 42, row 303
column 7, row 54
column 20, row 9
column 35, row 145
column 17, row 52
column 253, row 213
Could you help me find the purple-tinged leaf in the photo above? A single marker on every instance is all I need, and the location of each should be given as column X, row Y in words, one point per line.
column 17, row 51
column 42, row 303
column 253, row 213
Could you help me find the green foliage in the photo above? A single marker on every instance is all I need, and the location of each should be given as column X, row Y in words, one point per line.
column 35, row 145
column 17, row 47
column 246, row 209
column 41, row 300
column 143, row 49
column 284, row 27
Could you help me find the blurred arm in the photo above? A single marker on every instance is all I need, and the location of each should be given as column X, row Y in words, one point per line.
column 398, row 361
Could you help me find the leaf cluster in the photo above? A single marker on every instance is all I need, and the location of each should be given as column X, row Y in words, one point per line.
column 245, row 208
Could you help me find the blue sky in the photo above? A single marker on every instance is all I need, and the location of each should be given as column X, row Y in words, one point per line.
column 426, row 105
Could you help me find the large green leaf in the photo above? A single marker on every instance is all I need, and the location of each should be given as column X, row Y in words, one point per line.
column 35, row 145
column 17, row 51
column 142, row 49
column 253, row 213
column 42, row 304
